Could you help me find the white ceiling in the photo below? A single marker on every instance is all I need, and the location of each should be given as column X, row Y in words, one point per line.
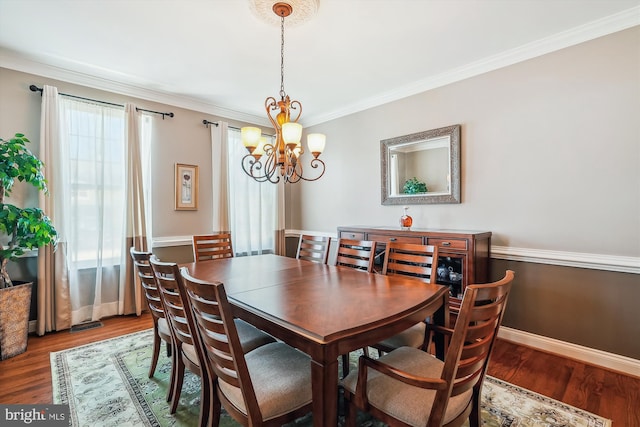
column 216, row 56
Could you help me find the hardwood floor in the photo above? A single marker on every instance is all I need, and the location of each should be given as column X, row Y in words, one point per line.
column 26, row 378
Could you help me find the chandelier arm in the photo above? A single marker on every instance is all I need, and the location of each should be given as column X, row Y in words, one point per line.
column 296, row 170
column 315, row 164
column 271, row 104
column 299, row 108
column 253, row 165
column 271, row 167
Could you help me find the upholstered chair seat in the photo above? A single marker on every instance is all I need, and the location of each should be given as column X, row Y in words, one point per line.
column 163, row 327
column 410, row 387
column 250, row 336
column 281, row 377
column 411, row 405
column 412, row 337
column 190, row 353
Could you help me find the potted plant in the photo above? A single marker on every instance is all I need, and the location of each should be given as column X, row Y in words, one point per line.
column 413, row 186
column 21, row 229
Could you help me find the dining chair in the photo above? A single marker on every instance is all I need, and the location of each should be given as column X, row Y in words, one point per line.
column 161, row 331
column 313, row 248
column 411, row 387
column 187, row 348
column 212, row 246
column 358, row 254
column 413, row 260
column 268, row 386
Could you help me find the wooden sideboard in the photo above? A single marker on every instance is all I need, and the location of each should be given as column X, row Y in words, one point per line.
column 462, row 252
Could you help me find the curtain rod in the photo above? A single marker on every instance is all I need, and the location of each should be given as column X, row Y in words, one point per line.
column 216, row 124
column 35, row 88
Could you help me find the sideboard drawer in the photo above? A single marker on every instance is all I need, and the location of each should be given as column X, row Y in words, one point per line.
column 351, row 235
column 448, row 243
column 384, row 238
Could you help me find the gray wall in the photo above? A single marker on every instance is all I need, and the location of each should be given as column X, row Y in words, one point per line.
column 550, row 161
column 550, row 154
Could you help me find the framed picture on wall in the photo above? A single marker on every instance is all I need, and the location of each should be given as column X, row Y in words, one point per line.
column 186, row 187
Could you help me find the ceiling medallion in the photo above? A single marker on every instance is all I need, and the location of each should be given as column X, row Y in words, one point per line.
column 303, row 10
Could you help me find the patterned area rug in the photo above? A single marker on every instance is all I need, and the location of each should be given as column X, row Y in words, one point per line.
column 106, row 384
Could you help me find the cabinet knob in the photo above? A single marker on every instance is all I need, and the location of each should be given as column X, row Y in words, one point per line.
column 393, row 239
column 446, row 243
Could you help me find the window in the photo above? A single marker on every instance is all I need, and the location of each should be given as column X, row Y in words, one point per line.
column 93, row 163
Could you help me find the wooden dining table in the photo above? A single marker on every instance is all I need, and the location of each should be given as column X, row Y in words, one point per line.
column 322, row 310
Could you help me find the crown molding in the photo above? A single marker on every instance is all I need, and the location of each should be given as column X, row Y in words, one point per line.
column 602, row 27
column 14, row 61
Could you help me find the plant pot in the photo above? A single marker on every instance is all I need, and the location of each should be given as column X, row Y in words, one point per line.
column 15, row 303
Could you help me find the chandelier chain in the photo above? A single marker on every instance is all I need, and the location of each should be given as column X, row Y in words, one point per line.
column 282, row 92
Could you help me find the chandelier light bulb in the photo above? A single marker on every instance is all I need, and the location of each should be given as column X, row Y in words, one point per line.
column 291, row 133
column 316, row 142
column 250, row 137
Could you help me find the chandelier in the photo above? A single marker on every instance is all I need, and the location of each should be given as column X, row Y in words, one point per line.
column 282, row 158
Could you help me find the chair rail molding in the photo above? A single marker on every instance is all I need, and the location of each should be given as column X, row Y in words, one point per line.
column 618, row 263
column 622, row 264
column 169, row 241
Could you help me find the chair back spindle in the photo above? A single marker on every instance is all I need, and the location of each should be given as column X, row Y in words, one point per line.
column 412, row 260
column 357, row 254
column 212, row 246
column 313, row 248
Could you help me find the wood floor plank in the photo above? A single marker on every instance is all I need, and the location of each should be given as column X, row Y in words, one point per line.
column 603, row 392
column 26, row 378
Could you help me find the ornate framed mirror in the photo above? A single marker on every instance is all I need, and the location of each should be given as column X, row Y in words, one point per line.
column 421, row 168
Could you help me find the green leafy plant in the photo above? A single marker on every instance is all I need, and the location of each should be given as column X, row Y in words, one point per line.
column 413, row 186
column 27, row 228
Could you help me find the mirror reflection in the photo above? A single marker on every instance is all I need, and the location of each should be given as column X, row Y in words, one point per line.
column 422, row 168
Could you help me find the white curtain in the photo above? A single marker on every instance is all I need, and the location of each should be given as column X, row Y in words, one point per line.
column 54, row 307
column 93, row 159
column 220, row 177
column 255, row 207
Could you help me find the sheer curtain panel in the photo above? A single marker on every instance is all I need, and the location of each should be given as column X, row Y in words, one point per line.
column 93, row 141
column 254, row 206
column 54, row 306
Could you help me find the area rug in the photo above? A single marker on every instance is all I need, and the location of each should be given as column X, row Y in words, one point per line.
column 106, row 384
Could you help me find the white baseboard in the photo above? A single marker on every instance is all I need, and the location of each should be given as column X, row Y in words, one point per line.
column 615, row 362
